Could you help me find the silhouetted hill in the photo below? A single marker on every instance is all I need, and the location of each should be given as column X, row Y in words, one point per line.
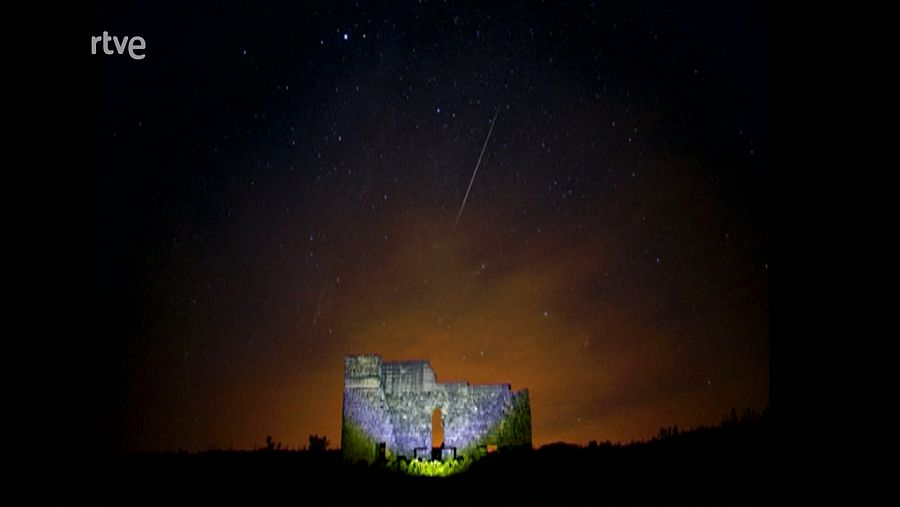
column 730, row 464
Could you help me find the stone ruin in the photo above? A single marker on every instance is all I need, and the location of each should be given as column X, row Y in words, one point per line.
column 389, row 408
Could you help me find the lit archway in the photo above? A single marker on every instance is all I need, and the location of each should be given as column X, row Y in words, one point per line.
column 437, row 429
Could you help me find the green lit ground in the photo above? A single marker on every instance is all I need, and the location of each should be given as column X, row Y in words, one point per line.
column 420, row 468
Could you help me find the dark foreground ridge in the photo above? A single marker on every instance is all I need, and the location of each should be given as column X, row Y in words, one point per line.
column 731, row 464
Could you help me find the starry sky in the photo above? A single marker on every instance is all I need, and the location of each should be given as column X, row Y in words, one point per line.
column 280, row 186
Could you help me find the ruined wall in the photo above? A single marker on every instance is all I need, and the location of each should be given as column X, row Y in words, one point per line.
column 393, row 403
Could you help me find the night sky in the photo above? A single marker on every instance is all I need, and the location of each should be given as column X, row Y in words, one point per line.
column 280, row 185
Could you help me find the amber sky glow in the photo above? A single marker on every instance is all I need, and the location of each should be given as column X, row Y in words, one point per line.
column 283, row 192
column 617, row 354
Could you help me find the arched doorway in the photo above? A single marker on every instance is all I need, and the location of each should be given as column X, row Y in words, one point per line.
column 437, row 434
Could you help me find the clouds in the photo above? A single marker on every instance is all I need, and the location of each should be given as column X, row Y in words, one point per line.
column 610, row 256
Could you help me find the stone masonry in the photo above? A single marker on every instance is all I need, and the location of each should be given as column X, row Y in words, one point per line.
column 392, row 403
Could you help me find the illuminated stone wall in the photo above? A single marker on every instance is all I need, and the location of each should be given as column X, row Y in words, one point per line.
column 393, row 403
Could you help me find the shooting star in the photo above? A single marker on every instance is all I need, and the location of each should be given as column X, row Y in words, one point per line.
column 488, row 138
column 319, row 304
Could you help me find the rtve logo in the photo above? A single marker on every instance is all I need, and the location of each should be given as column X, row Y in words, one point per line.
column 134, row 44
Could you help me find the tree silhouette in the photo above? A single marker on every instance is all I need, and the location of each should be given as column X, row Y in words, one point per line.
column 317, row 443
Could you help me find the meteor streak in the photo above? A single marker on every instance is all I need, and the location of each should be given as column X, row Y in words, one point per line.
column 484, row 147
